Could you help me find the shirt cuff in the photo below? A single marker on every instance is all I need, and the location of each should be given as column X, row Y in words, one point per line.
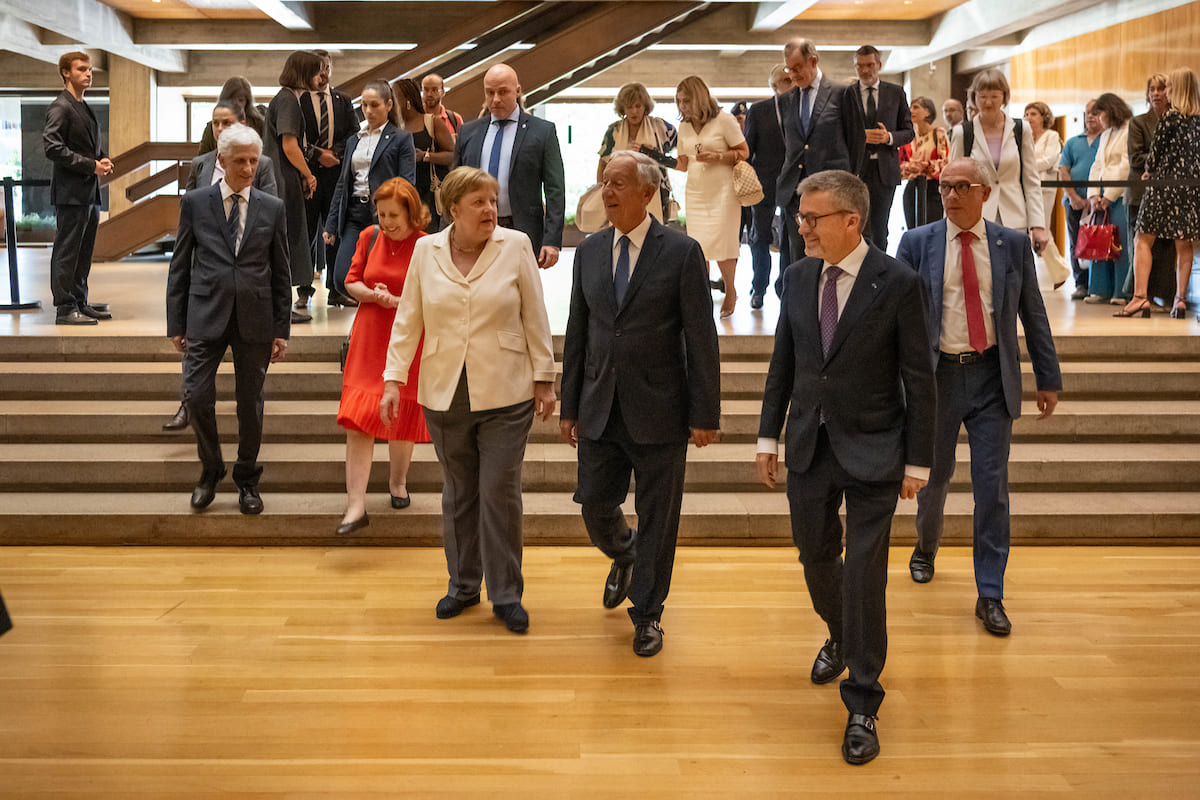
column 770, row 446
column 890, row 141
column 920, row 473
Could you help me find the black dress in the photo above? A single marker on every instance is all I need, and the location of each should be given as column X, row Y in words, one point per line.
column 1173, row 212
column 284, row 118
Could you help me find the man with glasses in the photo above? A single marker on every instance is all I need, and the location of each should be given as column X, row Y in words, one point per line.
column 981, row 278
column 851, row 374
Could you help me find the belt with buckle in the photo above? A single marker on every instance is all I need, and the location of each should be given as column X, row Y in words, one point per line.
column 361, row 199
column 969, row 357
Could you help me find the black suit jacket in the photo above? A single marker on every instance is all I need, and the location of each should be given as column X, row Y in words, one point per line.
column 829, row 143
column 72, row 142
column 764, row 135
column 200, row 174
column 891, row 108
column 1141, row 135
column 207, row 283
column 656, row 355
column 536, row 168
column 342, row 115
column 877, row 385
column 393, row 158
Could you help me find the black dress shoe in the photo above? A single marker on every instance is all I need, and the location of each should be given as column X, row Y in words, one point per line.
column 353, row 525
column 401, row 502
column 616, row 586
column 920, row 566
column 991, row 611
column 206, row 489
column 300, row 317
column 248, row 500
column 718, row 284
column 179, row 421
column 339, row 299
column 756, row 300
column 449, row 606
column 94, row 313
column 647, row 638
column 99, row 306
column 513, row 617
column 829, row 663
column 74, row 318
column 861, row 742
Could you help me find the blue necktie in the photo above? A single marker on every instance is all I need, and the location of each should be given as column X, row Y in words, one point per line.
column 497, row 146
column 621, row 273
column 805, row 111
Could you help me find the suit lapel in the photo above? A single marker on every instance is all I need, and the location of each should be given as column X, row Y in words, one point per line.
column 823, row 94
column 385, row 138
column 518, row 141
column 598, row 275
column 998, row 252
column 935, row 248
column 862, row 296
column 646, row 259
column 253, row 205
column 810, row 312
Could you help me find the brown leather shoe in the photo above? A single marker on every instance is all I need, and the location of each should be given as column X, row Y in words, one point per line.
column 178, row 422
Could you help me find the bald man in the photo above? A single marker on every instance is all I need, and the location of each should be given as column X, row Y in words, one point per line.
column 522, row 152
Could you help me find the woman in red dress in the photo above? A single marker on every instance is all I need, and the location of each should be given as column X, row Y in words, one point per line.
column 375, row 280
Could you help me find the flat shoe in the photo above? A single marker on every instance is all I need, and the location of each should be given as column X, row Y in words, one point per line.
column 401, row 502
column 860, row 743
column 353, row 525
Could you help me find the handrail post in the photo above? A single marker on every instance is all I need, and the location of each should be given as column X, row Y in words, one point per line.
column 10, row 242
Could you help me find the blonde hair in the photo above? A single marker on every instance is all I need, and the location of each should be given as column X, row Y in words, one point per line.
column 1183, row 92
column 631, row 94
column 704, row 107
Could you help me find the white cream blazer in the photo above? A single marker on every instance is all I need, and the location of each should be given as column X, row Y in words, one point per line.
column 1112, row 162
column 1016, row 198
column 493, row 321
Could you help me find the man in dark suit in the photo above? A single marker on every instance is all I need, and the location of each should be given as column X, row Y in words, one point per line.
column 851, row 375
column 818, row 128
column 980, row 278
column 229, row 286
column 522, row 153
column 72, row 142
column 884, row 126
column 641, row 376
column 764, row 135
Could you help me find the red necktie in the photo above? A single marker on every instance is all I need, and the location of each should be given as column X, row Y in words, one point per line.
column 976, row 332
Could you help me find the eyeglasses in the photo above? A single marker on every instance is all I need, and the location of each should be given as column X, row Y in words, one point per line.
column 960, row 189
column 811, row 220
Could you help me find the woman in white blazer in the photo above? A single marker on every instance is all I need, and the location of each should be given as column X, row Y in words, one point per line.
column 1106, row 280
column 486, row 368
column 1047, row 148
column 1010, row 165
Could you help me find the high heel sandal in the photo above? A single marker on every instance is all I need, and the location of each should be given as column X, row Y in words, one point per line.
column 1179, row 308
column 728, row 305
column 1142, row 310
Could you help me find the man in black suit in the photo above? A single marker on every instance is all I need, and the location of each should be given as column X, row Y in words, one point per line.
column 229, row 286
column 329, row 119
column 764, row 135
column 851, row 374
column 72, row 142
column 641, row 376
column 522, row 153
column 818, row 128
column 885, row 125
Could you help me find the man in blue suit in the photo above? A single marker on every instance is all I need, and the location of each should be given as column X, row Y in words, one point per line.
column 521, row 152
column 641, row 377
column 980, row 278
column 764, row 135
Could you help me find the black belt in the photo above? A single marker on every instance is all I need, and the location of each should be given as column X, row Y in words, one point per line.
column 359, row 199
column 970, row 357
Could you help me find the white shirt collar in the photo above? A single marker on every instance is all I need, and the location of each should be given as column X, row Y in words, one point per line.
column 514, row 116
column 227, row 192
column 980, row 231
column 637, row 236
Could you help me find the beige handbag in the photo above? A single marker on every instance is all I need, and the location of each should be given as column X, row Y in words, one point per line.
column 589, row 214
column 745, row 184
column 435, row 183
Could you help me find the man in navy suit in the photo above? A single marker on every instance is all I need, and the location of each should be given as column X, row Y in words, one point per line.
column 818, row 128
column 980, row 278
column 641, row 377
column 522, row 153
column 885, row 125
column 229, row 286
column 851, row 375
column 764, row 135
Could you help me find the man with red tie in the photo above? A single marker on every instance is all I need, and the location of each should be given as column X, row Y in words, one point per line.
column 980, row 278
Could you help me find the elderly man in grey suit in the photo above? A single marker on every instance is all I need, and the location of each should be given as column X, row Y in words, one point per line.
column 851, row 375
column 641, row 377
column 229, row 287
column 980, row 278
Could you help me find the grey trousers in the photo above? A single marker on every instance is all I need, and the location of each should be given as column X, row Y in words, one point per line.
column 481, row 453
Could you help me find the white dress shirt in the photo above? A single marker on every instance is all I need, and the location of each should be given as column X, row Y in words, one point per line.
column 637, row 237
column 863, row 95
column 360, row 162
column 218, row 171
column 503, row 205
column 954, row 337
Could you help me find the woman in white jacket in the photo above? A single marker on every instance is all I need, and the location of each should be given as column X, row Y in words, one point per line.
column 1106, row 279
column 1047, row 147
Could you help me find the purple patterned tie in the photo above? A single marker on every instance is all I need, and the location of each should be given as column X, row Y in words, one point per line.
column 829, row 308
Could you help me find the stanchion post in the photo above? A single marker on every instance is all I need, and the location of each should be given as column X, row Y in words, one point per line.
column 10, row 242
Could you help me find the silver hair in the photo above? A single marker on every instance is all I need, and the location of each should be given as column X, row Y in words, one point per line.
column 976, row 170
column 848, row 191
column 807, row 49
column 648, row 172
column 238, row 136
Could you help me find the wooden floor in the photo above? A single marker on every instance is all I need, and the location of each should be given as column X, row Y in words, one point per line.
column 292, row 672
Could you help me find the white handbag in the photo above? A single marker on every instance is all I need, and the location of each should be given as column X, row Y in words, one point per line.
column 589, row 214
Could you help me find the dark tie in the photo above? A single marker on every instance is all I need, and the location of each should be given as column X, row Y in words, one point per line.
column 805, row 111
column 829, row 308
column 497, row 145
column 323, row 121
column 235, row 218
column 872, row 109
column 976, row 331
column 621, row 273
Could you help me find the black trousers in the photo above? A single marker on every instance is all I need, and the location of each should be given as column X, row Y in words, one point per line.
column 795, row 240
column 317, row 209
column 71, row 259
column 5, row 621
column 250, row 362
column 881, row 194
column 933, row 202
column 605, row 465
column 849, row 596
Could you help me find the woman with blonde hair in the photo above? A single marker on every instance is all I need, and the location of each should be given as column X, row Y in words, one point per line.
column 710, row 143
column 638, row 131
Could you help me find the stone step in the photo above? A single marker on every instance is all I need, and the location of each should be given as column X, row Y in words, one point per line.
column 173, row 467
column 760, row 518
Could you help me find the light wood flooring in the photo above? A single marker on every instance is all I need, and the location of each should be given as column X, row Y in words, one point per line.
column 294, row 672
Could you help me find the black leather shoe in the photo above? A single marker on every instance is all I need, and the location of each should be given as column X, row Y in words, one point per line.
column 94, row 313
column 513, row 617
column 829, row 663
column 339, row 299
column 616, row 586
column 401, row 502
column 920, row 566
column 74, row 318
column 861, row 742
column 991, row 611
column 300, row 317
column 99, row 306
column 647, row 638
column 717, row 285
column 449, row 606
column 249, row 501
column 347, row 528
column 756, row 300
column 206, row 489
column 179, row 421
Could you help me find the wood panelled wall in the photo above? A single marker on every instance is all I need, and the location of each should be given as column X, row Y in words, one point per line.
column 1116, row 59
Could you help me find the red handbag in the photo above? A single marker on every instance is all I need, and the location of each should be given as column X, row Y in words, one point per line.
column 1098, row 242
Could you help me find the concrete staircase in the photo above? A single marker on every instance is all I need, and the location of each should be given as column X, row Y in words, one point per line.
column 83, row 459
